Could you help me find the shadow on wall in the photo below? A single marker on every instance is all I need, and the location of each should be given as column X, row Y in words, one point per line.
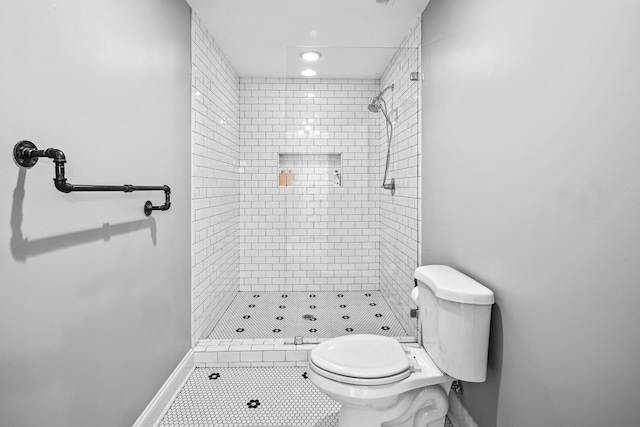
column 22, row 248
column 482, row 399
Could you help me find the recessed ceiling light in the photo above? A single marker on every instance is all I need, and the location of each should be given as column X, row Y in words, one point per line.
column 311, row 56
column 308, row 72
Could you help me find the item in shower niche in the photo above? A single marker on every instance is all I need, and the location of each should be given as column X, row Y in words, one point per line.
column 290, row 178
column 282, row 179
column 336, row 177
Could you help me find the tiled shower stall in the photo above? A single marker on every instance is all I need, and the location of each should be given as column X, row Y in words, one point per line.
column 286, row 184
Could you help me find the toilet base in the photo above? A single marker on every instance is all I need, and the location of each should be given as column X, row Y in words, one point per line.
column 425, row 407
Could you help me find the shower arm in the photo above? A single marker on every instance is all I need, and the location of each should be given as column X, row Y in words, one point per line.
column 26, row 154
column 392, row 86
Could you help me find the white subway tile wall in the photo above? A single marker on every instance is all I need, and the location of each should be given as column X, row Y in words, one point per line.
column 311, row 235
column 399, row 213
column 215, row 188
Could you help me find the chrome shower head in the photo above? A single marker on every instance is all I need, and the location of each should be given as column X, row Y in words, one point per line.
column 376, row 103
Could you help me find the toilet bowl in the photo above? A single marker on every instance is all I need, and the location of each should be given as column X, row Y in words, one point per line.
column 381, row 383
column 377, row 380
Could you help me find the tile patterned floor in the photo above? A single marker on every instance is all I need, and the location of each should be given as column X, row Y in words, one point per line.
column 308, row 314
column 251, row 397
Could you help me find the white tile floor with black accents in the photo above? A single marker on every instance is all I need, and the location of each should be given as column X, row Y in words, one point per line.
column 252, row 397
column 309, row 314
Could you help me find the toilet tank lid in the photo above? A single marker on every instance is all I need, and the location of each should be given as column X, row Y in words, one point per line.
column 451, row 285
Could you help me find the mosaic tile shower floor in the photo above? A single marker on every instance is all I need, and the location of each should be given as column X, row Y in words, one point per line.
column 252, row 397
column 309, row 314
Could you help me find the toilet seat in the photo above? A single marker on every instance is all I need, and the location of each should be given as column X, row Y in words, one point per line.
column 359, row 381
column 361, row 360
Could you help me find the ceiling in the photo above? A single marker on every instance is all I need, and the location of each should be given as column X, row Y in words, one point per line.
column 263, row 38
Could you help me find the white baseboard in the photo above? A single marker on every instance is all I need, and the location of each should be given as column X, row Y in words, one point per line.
column 458, row 414
column 159, row 405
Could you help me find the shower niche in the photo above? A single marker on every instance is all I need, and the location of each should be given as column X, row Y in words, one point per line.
column 309, row 170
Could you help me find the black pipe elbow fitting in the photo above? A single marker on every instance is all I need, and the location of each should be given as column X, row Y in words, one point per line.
column 62, row 185
column 56, row 155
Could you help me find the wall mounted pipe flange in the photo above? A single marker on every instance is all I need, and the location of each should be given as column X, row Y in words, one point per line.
column 20, row 151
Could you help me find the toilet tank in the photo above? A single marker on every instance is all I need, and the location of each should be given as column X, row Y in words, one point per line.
column 455, row 315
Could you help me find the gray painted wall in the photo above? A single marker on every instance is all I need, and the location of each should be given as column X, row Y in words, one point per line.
column 532, row 186
column 94, row 296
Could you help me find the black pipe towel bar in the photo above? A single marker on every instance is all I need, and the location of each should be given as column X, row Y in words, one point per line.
column 26, row 155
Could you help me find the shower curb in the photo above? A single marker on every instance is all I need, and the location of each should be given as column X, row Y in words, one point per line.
column 257, row 353
column 252, row 353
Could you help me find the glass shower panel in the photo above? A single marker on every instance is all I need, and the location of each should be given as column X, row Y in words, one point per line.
column 328, row 153
column 399, row 209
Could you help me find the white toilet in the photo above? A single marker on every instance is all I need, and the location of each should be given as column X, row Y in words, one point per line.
column 380, row 383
